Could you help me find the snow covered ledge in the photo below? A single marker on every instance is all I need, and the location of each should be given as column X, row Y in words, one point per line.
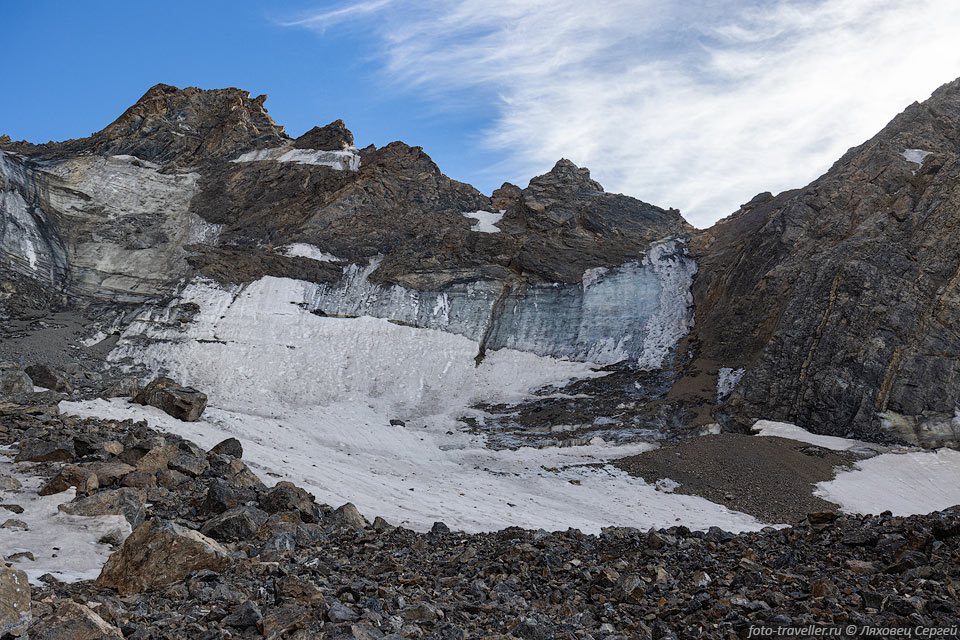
column 345, row 160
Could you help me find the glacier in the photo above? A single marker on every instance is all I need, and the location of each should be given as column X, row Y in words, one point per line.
column 635, row 312
column 29, row 243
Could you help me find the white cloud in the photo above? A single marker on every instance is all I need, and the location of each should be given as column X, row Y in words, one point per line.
column 324, row 19
column 696, row 105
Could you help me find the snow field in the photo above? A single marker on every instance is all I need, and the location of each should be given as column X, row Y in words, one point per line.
column 64, row 545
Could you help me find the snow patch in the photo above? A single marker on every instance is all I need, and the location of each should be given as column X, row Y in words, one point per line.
column 260, row 343
column 727, row 379
column 64, row 545
column 302, row 250
column 311, row 399
column 419, row 474
column 915, row 155
column 793, row 432
column 486, row 220
column 905, row 483
column 344, row 160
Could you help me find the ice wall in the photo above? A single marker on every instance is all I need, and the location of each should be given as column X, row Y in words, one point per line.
column 259, row 345
column 637, row 311
column 29, row 243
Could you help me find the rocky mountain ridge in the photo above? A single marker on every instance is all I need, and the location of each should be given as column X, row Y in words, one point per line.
column 831, row 306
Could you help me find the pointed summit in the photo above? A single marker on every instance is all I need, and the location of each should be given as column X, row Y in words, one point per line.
column 183, row 127
column 333, row 137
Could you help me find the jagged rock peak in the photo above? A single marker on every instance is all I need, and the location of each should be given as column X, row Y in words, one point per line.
column 333, row 137
column 178, row 126
column 565, row 176
column 168, row 123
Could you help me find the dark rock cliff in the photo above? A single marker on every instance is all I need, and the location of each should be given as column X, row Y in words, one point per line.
column 841, row 298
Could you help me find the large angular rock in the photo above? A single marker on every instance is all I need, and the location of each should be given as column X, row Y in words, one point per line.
column 110, row 472
column 49, row 378
column 333, row 137
column 45, row 451
column 14, row 382
column 71, row 475
column 183, row 403
column 73, row 621
column 128, row 502
column 14, row 601
column 240, row 523
column 230, row 447
column 286, row 496
column 160, row 553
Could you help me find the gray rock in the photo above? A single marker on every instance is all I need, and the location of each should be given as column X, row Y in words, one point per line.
column 183, row 403
column 50, row 378
column 246, row 615
column 339, row 612
column 14, row 601
column 240, row 523
column 33, row 450
column 15, row 384
column 286, row 496
column 128, row 502
column 230, row 447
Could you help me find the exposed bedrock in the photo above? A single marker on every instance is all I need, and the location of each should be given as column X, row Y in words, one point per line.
column 841, row 299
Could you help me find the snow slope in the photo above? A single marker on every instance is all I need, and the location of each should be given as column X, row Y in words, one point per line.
column 419, row 474
column 311, row 398
column 64, row 545
column 906, row 483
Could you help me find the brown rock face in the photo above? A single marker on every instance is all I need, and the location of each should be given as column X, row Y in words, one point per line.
column 158, row 554
column 183, row 403
column 73, row 621
column 333, row 137
column 842, row 298
column 14, row 601
column 179, row 126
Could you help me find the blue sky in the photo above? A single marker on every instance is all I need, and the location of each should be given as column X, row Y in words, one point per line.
column 696, row 105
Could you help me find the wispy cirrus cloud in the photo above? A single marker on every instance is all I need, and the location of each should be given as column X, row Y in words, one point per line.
column 697, row 105
column 329, row 17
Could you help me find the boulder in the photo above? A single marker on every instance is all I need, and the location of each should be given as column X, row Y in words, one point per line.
column 156, row 458
column 14, row 601
column 190, row 463
column 220, row 497
column 183, row 403
column 349, row 516
column 108, row 473
column 234, row 471
column 230, row 447
column 158, row 554
column 49, row 378
column 246, row 615
column 130, row 503
column 629, row 588
column 286, row 496
column 15, row 384
column 33, row 450
column 122, row 388
column 73, row 621
column 240, row 523
column 71, row 475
